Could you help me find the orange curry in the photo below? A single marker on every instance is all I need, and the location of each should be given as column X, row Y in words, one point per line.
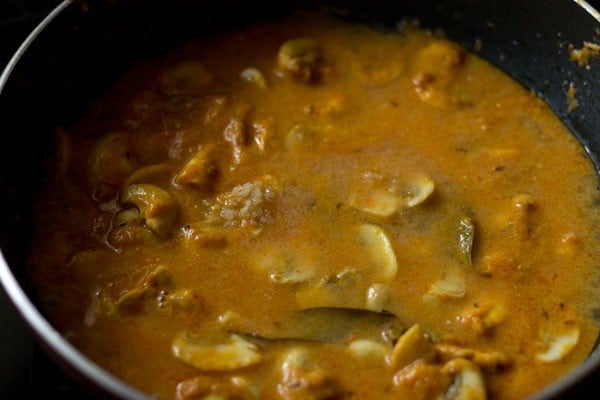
column 313, row 209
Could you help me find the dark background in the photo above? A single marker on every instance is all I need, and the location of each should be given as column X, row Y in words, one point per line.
column 25, row 370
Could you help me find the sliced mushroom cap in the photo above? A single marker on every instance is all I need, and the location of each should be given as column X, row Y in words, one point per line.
column 299, row 58
column 343, row 289
column 229, row 317
column 379, row 297
column 367, row 351
column 128, row 217
column 468, row 383
column 377, row 245
column 284, row 268
column 559, row 346
column 297, row 357
column 207, row 356
column 376, row 201
column 255, row 77
column 411, row 346
column 152, row 288
column 452, row 285
column 420, row 190
column 111, row 161
column 156, row 206
column 303, row 379
column 383, row 197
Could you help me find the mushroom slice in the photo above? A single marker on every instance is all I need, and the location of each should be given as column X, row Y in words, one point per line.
column 154, row 286
column 229, row 317
column 418, row 191
column 336, row 290
column 110, row 162
column 384, row 200
column 368, row 351
column 299, row 58
column 303, row 379
column 411, row 346
column 291, row 276
column 156, row 206
column 450, row 286
column 379, row 248
column 207, row 356
column 559, row 346
column 378, row 297
column 128, row 217
column 255, row 77
column 377, row 202
column 284, row 268
column 468, row 383
column 297, row 357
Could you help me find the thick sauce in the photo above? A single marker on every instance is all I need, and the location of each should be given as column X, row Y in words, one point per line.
column 315, row 210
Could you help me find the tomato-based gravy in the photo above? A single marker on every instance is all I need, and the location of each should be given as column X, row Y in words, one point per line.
column 313, row 209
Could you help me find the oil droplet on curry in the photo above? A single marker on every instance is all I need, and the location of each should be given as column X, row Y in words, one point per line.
column 317, row 210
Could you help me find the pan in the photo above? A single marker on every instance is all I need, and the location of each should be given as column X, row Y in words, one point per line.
column 80, row 48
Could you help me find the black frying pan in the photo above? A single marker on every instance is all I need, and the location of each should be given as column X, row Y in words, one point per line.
column 82, row 46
